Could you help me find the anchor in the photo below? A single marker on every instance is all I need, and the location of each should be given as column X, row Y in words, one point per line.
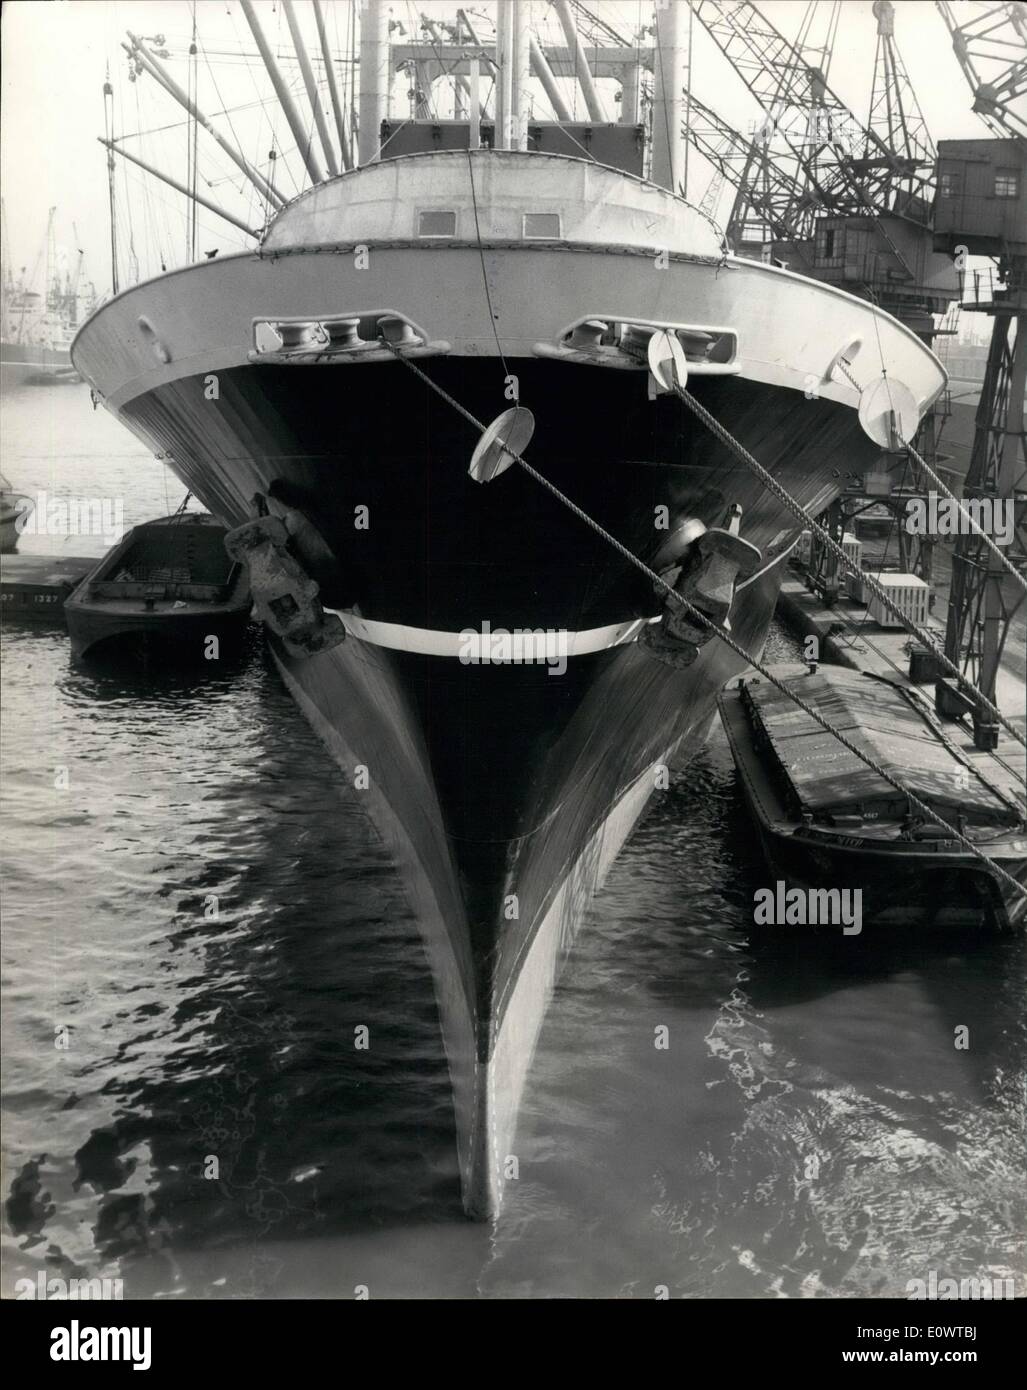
column 284, row 594
column 675, row 547
column 715, row 562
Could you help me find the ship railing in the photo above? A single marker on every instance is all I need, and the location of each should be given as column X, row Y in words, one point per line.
column 351, row 336
column 981, row 288
column 611, row 340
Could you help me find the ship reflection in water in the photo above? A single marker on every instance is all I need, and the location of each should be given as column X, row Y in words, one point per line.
column 215, row 1127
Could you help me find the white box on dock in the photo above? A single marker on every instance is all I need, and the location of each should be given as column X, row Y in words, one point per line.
column 854, row 584
column 908, row 592
column 877, row 484
column 853, row 549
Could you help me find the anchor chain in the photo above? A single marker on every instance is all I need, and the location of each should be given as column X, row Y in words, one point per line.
column 725, row 637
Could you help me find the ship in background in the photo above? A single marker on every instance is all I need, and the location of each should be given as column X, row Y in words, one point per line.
column 502, row 687
column 37, row 325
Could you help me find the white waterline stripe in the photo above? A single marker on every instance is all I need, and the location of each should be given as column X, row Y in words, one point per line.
column 432, row 642
column 778, row 558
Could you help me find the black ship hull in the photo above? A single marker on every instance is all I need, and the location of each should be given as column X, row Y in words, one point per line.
column 492, row 706
column 504, row 789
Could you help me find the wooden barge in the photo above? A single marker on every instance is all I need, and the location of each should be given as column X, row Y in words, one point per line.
column 166, row 589
column 827, row 820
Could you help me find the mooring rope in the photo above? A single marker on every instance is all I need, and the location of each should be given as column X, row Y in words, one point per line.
column 828, row 541
column 718, row 631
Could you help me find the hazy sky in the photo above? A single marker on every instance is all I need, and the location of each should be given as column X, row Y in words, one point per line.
column 56, row 52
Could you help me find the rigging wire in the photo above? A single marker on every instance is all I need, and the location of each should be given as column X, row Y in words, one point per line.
column 194, row 65
column 481, row 256
column 707, row 623
column 658, row 58
column 231, row 124
column 174, row 207
column 108, row 124
column 688, row 105
column 133, row 259
column 310, row 130
column 265, row 102
column 177, row 125
column 798, row 511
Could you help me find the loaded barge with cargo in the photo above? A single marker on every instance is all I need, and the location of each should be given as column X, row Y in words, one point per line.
column 825, row 818
column 383, row 316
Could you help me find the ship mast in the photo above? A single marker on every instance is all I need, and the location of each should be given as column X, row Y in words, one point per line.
column 307, row 73
column 374, row 77
column 108, row 122
column 7, row 287
column 333, row 87
column 353, row 107
column 304, row 144
column 156, row 70
column 584, row 72
column 51, row 284
column 180, row 187
column 513, row 97
column 671, row 62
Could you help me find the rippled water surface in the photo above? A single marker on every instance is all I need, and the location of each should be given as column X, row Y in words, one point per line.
column 810, row 1129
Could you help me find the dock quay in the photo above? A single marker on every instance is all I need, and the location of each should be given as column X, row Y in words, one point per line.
column 33, row 587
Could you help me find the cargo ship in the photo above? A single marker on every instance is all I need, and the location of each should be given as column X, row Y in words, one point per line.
column 38, row 325
column 501, row 687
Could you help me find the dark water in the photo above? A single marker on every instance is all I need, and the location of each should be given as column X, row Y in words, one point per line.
column 810, row 1130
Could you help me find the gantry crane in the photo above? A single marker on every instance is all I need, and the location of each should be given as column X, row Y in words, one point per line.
column 990, row 45
column 895, row 118
column 982, row 210
column 859, row 194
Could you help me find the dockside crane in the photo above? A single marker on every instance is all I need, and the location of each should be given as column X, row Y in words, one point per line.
column 895, row 119
column 981, row 210
column 800, row 125
column 844, row 201
column 990, row 45
column 850, row 201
